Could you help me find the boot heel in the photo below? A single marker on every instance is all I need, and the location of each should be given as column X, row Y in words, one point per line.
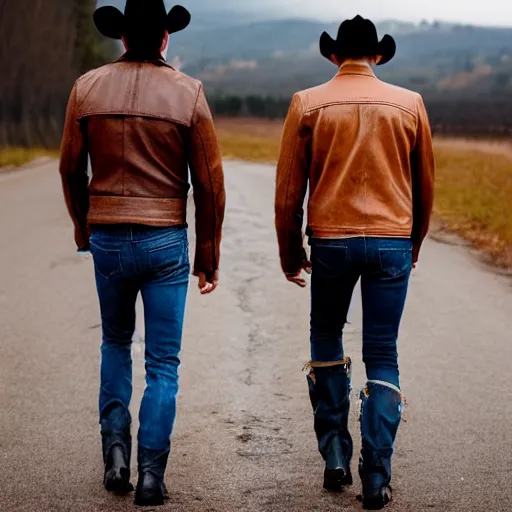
column 149, row 501
column 118, row 481
column 117, row 476
column 336, row 479
column 378, row 500
column 151, row 492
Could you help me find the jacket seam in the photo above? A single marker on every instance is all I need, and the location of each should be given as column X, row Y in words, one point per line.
column 214, row 212
column 287, row 210
column 414, row 162
column 362, row 102
column 195, row 105
column 320, row 225
column 347, row 228
column 417, row 124
column 136, row 87
column 70, row 176
column 366, row 216
column 131, row 114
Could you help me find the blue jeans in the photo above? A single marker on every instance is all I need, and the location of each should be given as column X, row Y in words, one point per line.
column 384, row 266
column 153, row 261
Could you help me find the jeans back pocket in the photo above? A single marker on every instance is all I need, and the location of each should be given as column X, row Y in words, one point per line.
column 170, row 256
column 107, row 262
column 395, row 262
column 329, row 259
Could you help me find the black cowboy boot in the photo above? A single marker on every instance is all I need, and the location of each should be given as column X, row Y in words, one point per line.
column 116, row 457
column 329, row 390
column 151, row 490
column 381, row 410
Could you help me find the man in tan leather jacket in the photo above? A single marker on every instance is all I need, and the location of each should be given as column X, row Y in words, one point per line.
column 143, row 124
column 364, row 149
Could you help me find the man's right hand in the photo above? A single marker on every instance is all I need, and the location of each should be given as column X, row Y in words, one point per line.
column 415, row 254
column 208, row 282
column 297, row 278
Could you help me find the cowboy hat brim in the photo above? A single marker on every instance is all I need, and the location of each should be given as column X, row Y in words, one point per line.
column 386, row 48
column 110, row 21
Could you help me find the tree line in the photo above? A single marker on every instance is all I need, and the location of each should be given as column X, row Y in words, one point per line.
column 44, row 46
column 449, row 114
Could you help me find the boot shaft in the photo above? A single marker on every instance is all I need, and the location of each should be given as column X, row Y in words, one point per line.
column 151, row 489
column 124, row 440
column 381, row 411
column 150, row 461
column 329, row 390
column 329, row 386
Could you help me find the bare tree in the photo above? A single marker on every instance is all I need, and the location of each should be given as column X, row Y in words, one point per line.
column 44, row 46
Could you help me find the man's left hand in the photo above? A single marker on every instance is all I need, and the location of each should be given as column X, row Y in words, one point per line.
column 208, row 282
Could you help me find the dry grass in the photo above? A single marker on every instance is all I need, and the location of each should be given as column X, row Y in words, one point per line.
column 247, row 139
column 474, row 196
column 17, row 157
column 473, row 186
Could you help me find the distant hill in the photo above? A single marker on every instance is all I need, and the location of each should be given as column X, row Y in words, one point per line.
column 242, row 54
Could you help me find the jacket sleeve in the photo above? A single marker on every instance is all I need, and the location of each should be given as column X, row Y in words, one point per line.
column 423, row 176
column 207, row 178
column 73, row 171
column 291, row 187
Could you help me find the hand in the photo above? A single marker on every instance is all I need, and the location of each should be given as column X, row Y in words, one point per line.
column 415, row 255
column 208, row 282
column 82, row 237
column 297, row 279
column 84, row 253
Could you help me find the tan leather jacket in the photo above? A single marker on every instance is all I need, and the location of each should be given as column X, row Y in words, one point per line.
column 365, row 149
column 143, row 125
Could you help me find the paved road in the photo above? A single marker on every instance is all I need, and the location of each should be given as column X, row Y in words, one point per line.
column 244, row 432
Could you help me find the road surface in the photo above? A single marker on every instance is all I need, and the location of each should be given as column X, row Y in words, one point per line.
column 244, row 439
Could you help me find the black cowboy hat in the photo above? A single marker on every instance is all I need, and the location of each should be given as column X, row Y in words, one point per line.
column 112, row 22
column 358, row 38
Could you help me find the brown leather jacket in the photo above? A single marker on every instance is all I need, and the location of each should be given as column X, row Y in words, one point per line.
column 365, row 148
column 143, row 125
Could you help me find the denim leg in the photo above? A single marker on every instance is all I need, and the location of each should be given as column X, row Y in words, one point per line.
column 384, row 292
column 164, row 295
column 332, row 285
column 117, row 296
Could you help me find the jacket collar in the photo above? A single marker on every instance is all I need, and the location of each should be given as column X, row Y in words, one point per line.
column 356, row 69
column 157, row 61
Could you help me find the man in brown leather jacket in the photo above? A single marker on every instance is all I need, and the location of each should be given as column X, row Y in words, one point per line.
column 143, row 124
column 364, row 148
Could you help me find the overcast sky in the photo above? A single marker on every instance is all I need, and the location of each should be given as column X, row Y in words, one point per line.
column 486, row 12
column 489, row 12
